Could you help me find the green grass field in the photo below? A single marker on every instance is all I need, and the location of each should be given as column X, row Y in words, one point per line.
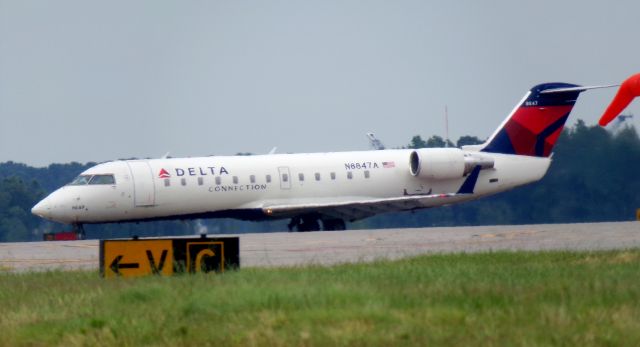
column 490, row 299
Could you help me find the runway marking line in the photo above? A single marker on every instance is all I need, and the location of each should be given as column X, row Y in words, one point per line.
column 53, row 245
column 81, row 246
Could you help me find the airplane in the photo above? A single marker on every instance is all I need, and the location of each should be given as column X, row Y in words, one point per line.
column 320, row 191
column 374, row 143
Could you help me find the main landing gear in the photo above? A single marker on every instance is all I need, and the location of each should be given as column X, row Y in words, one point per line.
column 311, row 222
column 79, row 230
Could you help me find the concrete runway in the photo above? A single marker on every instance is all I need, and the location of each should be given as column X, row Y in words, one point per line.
column 333, row 247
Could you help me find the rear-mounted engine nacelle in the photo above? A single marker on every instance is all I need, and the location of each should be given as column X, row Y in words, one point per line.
column 445, row 163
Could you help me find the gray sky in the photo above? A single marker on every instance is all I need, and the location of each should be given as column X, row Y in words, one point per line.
column 95, row 81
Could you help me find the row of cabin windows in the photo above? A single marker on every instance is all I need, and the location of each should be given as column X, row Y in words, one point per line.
column 332, row 175
column 252, row 178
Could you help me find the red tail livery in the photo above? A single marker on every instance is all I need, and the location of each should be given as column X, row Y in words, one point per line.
column 536, row 123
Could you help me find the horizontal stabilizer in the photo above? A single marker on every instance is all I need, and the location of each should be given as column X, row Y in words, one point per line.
column 576, row 89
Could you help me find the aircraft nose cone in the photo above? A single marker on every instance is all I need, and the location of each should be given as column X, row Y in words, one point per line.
column 42, row 209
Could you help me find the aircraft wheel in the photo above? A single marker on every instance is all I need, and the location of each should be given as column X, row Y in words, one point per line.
column 309, row 224
column 294, row 224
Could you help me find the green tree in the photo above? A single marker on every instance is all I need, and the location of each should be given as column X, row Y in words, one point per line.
column 434, row 141
column 417, row 142
column 468, row 140
column 16, row 199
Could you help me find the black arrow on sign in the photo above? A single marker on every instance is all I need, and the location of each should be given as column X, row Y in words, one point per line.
column 116, row 266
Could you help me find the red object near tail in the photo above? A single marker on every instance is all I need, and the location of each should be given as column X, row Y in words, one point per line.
column 629, row 89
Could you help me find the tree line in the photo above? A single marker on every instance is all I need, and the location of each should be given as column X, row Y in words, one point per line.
column 593, row 177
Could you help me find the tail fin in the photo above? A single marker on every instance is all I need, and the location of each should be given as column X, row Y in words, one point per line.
column 534, row 126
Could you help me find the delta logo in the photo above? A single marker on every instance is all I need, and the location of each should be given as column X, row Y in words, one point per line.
column 194, row 171
column 164, row 174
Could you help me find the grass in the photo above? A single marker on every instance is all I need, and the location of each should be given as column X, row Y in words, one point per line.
column 490, row 299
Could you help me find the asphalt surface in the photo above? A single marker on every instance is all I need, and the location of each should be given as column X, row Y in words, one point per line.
column 333, row 247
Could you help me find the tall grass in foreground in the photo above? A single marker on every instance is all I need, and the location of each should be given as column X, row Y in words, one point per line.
column 548, row 298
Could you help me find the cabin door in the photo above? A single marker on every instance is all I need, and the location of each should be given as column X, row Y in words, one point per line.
column 143, row 187
column 285, row 177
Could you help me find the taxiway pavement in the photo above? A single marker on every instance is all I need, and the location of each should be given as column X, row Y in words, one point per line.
column 333, row 247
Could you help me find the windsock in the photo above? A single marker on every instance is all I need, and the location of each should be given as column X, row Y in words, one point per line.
column 629, row 89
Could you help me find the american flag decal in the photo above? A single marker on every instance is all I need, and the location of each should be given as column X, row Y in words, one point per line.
column 388, row 164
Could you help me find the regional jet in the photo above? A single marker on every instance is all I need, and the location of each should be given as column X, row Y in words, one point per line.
column 320, row 190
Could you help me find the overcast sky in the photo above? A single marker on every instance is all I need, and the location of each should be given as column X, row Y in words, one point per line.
column 95, row 81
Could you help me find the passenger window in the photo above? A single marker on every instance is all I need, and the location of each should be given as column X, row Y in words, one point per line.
column 167, row 182
column 235, row 179
column 301, row 177
column 317, row 176
column 183, row 181
column 366, row 174
column 333, row 175
column 252, row 179
column 268, row 178
column 285, row 178
column 349, row 175
column 200, row 181
column 102, row 179
column 218, row 180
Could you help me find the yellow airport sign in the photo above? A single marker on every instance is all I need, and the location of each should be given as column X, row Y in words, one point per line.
column 199, row 252
column 141, row 257
column 138, row 258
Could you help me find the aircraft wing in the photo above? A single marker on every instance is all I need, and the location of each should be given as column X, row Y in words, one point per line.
column 361, row 208
column 358, row 207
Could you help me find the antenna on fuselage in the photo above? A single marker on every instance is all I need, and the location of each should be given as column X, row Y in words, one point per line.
column 165, row 156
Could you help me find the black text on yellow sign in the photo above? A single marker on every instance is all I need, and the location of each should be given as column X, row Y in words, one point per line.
column 141, row 257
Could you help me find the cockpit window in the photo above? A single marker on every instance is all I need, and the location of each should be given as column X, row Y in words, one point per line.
column 102, row 179
column 80, row 180
column 93, row 179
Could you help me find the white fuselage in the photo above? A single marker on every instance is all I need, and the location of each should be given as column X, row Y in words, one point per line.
column 246, row 186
